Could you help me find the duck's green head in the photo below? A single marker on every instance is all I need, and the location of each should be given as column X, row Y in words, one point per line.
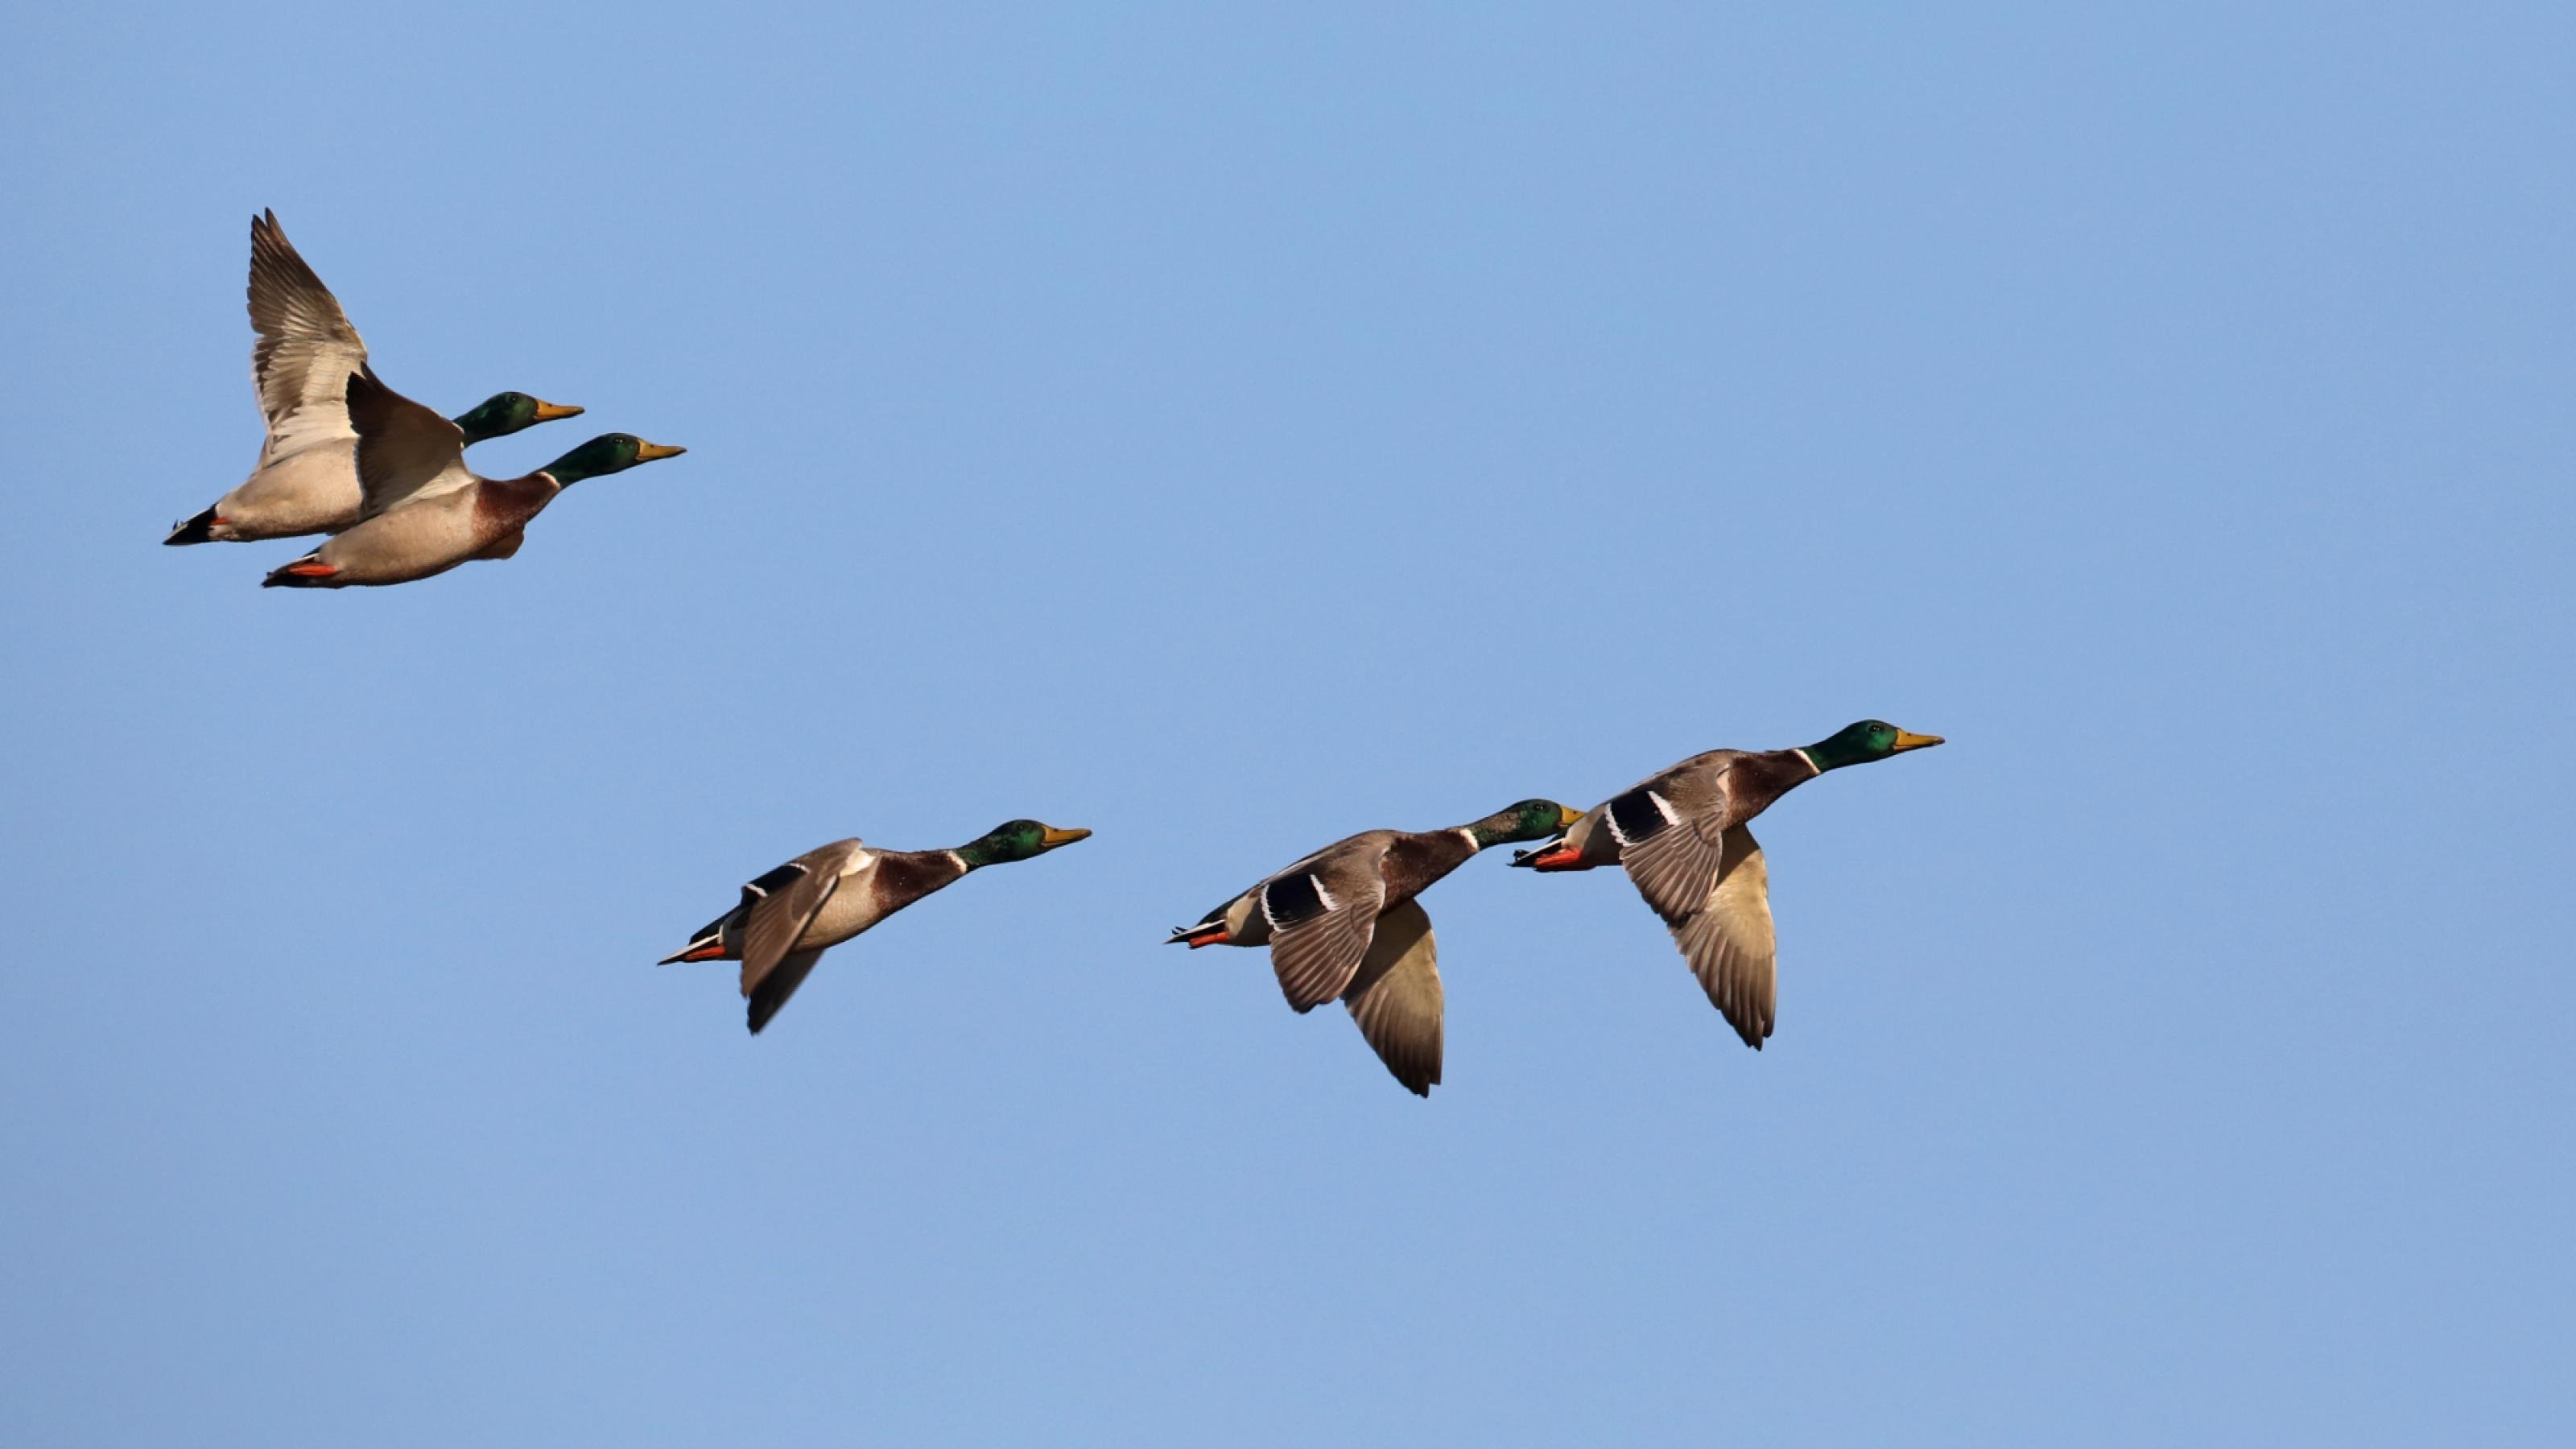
column 1528, row 820
column 608, row 453
column 504, row 413
column 1858, row 744
column 1016, row 840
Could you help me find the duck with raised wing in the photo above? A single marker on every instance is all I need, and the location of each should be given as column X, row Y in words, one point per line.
column 1681, row 834
column 790, row 916
column 426, row 512
column 1344, row 922
column 307, row 478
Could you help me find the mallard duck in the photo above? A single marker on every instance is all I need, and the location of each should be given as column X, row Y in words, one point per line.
column 307, row 478
column 1681, row 834
column 426, row 512
column 1344, row 922
column 790, row 916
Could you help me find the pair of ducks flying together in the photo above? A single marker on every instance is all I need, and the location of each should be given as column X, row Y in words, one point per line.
column 1346, row 922
column 350, row 457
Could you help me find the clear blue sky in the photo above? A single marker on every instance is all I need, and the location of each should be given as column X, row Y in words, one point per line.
column 1229, row 432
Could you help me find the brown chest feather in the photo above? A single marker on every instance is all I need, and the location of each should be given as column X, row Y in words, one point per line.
column 1754, row 781
column 904, row 876
column 504, row 505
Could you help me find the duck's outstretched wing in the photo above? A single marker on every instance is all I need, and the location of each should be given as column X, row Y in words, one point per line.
column 1395, row 997
column 779, row 918
column 405, row 450
column 1671, row 830
column 1322, row 913
column 305, row 350
column 1682, row 840
column 1729, row 942
column 781, row 983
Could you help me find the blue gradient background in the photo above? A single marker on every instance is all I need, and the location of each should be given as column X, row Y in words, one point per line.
column 1228, row 431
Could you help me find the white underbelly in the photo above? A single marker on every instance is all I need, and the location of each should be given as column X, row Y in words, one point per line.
column 851, row 910
column 314, row 491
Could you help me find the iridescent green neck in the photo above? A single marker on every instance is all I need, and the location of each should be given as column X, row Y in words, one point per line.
column 1839, row 750
column 485, row 421
column 1861, row 743
column 594, row 459
column 1008, row 841
column 1015, row 840
column 1527, row 820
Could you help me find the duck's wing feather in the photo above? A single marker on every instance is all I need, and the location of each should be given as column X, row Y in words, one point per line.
column 1322, row 912
column 405, row 450
column 783, row 911
column 1729, row 942
column 780, row 984
column 1395, row 997
column 1671, row 832
column 305, row 350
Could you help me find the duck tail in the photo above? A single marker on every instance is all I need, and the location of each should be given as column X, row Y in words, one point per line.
column 1554, row 855
column 707, row 945
column 308, row 572
column 200, row 529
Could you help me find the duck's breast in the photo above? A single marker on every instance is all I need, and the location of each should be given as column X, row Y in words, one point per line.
column 421, row 538
column 852, row 907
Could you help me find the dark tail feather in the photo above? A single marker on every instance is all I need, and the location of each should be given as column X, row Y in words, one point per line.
column 708, row 947
column 708, row 943
column 304, row 573
column 200, row 529
column 1552, row 856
